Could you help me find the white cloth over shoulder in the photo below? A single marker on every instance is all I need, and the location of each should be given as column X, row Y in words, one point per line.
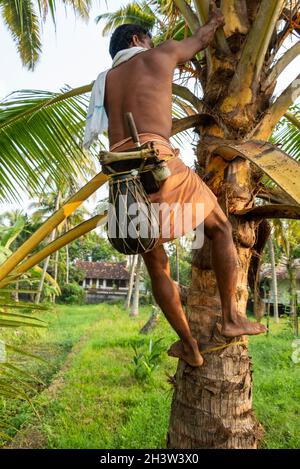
column 97, row 121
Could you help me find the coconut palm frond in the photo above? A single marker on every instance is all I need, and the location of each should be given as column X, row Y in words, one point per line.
column 288, row 136
column 37, row 271
column 81, row 7
column 9, row 233
column 135, row 12
column 181, row 109
column 289, row 140
column 23, row 23
column 168, row 8
column 15, row 381
column 40, row 135
column 11, row 321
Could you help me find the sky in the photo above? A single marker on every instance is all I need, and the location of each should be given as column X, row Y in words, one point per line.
column 74, row 54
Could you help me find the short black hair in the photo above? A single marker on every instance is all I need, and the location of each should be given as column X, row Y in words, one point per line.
column 122, row 37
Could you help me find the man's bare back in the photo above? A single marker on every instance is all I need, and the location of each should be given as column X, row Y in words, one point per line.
column 143, row 86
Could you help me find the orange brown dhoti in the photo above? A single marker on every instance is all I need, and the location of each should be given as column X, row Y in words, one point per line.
column 183, row 199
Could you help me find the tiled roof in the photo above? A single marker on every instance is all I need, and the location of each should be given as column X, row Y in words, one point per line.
column 101, row 270
column 281, row 270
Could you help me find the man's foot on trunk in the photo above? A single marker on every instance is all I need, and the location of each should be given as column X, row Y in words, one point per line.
column 242, row 326
column 187, row 352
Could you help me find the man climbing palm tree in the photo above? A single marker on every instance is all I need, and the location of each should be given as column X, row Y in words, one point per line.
column 140, row 82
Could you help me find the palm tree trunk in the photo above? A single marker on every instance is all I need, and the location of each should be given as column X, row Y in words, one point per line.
column 131, row 281
column 43, row 274
column 15, row 294
column 212, row 404
column 136, row 295
column 274, row 281
column 67, row 255
column 67, row 264
column 55, row 272
column 177, row 261
column 46, row 263
column 293, row 297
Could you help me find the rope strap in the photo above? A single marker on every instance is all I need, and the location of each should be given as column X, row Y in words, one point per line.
column 220, row 347
column 146, row 168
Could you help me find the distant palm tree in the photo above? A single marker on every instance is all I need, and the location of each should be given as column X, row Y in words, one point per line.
column 24, row 18
column 135, row 12
column 287, row 236
column 134, row 311
column 274, row 279
column 132, row 269
column 48, row 203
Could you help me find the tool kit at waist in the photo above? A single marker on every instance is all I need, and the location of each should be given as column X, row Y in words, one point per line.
column 133, row 224
column 146, row 162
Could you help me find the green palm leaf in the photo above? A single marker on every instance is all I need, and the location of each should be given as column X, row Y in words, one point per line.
column 135, row 12
column 40, row 134
column 287, row 135
column 20, row 371
column 9, row 233
column 81, row 7
column 23, row 23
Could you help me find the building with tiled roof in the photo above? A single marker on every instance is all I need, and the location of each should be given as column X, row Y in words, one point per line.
column 283, row 279
column 104, row 280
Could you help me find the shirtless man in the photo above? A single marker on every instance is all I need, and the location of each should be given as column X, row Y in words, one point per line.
column 143, row 86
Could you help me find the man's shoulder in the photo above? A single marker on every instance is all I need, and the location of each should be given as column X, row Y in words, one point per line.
column 165, row 47
column 161, row 53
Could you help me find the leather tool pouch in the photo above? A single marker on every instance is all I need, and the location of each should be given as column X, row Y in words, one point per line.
column 147, row 179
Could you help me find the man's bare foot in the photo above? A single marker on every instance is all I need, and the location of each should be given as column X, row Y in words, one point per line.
column 187, row 352
column 242, row 326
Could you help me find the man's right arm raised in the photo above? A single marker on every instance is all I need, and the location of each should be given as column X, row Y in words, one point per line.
column 185, row 50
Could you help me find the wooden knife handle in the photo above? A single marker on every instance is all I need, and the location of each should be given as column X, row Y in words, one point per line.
column 132, row 128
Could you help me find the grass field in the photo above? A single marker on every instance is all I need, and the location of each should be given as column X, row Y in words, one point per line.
column 91, row 399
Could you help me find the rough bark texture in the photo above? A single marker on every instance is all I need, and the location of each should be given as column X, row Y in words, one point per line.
column 152, row 321
column 212, row 405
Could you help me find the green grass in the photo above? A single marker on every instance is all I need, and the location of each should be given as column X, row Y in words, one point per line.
column 102, row 404
column 94, row 401
column 276, row 388
column 65, row 327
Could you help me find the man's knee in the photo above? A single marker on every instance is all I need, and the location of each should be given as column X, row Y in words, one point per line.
column 225, row 228
column 156, row 260
column 217, row 225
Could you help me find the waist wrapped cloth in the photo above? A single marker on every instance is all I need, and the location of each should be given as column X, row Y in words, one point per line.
column 183, row 200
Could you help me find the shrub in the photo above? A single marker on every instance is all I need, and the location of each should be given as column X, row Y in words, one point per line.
column 72, row 294
column 147, row 357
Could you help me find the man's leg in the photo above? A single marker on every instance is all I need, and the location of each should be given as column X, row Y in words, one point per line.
column 167, row 297
column 218, row 229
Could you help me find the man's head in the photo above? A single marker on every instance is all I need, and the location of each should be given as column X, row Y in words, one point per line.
column 129, row 35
